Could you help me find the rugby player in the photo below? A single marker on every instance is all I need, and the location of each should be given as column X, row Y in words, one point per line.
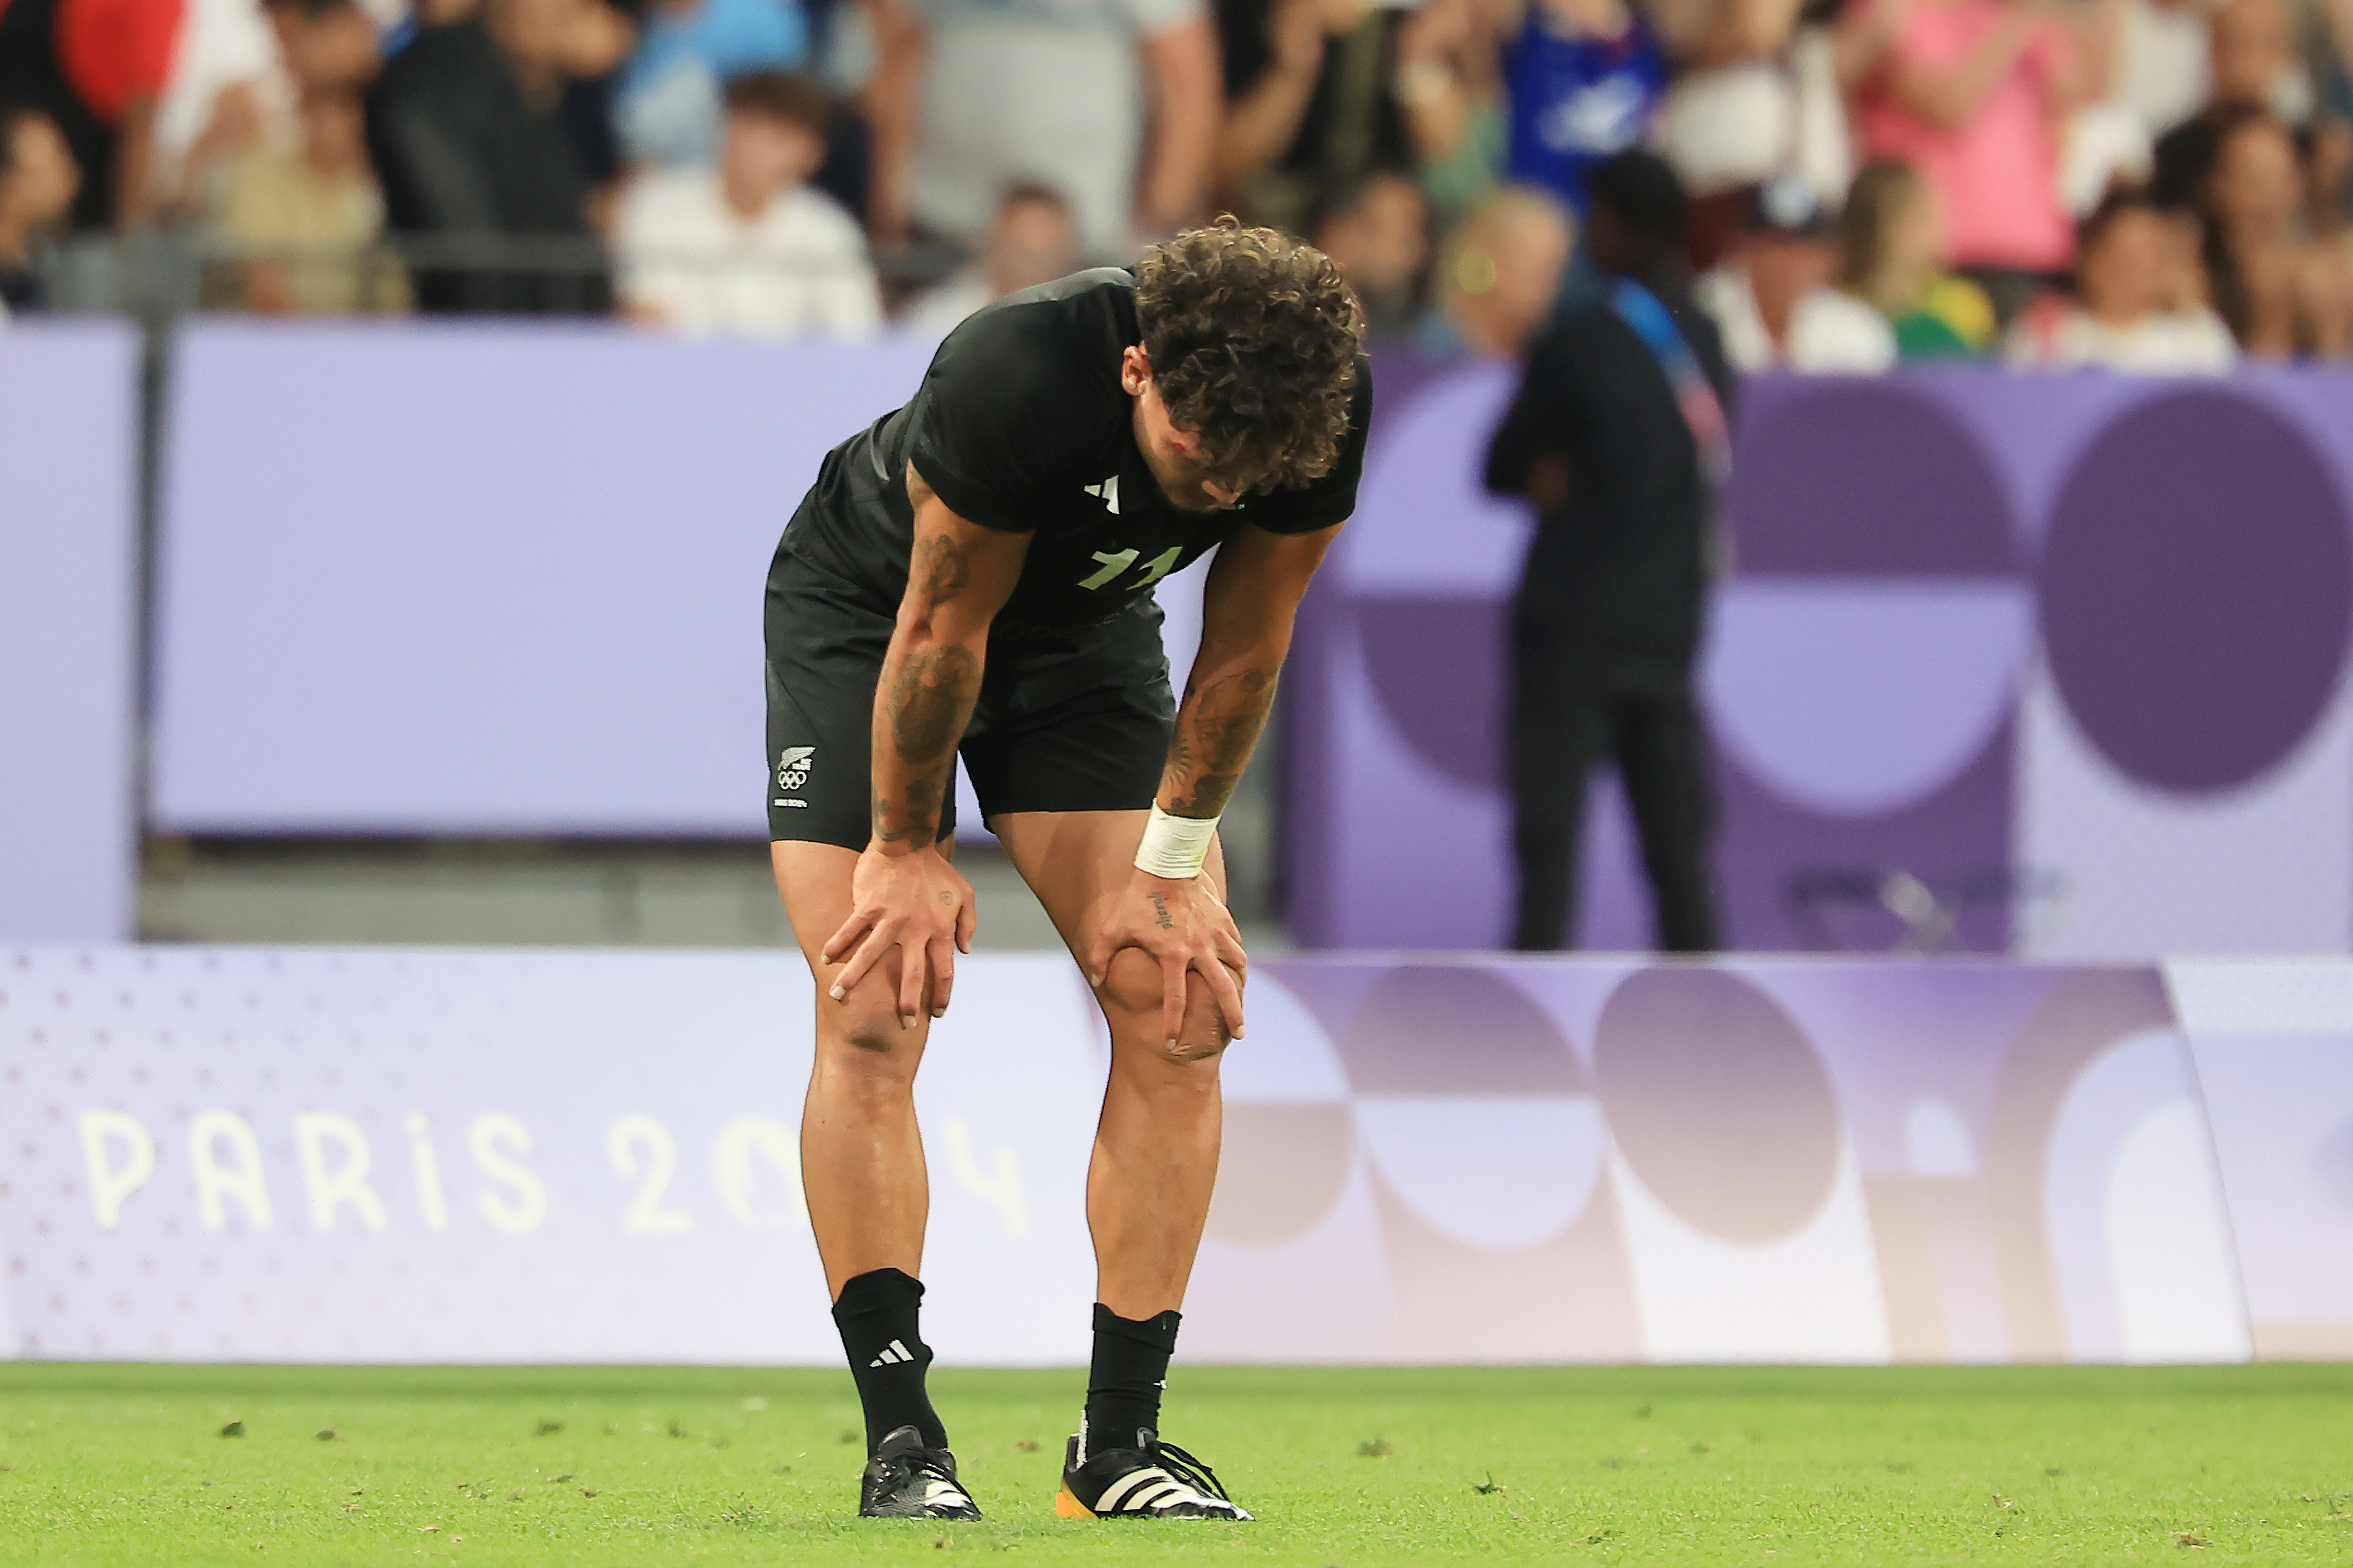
column 973, row 574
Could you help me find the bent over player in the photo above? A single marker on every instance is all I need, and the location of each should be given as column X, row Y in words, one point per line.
column 973, row 574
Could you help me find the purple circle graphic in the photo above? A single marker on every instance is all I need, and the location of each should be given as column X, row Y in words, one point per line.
column 2197, row 591
column 1866, row 478
column 1718, row 1103
column 1452, row 1029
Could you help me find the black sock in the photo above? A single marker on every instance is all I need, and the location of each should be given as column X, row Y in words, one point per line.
column 1130, row 1364
column 876, row 1315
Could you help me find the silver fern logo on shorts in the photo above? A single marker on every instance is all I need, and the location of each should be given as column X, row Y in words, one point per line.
column 792, row 767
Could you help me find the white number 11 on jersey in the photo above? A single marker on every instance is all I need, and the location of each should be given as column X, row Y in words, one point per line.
column 1117, row 562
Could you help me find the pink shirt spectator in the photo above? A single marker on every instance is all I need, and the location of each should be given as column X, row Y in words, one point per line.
column 1997, row 171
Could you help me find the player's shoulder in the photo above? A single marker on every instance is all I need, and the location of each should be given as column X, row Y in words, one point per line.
column 1086, row 313
column 1063, row 337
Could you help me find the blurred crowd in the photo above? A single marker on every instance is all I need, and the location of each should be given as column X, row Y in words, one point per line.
column 2155, row 185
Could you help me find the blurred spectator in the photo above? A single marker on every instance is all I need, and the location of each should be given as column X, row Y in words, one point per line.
column 2281, row 293
column 151, row 95
column 2104, row 141
column 2254, row 67
column 38, row 180
column 1969, row 93
column 1726, row 122
column 1031, row 240
column 2160, row 72
column 749, row 248
column 305, row 223
column 1378, row 229
column 1499, row 274
column 667, row 101
column 1450, row 90
column 1891, row 237
column 1116, row 103
column 326, row 46
column 596, row 42
column 465, row 134
column 2127, row 313
column 1618, row 437
column 1585, row 78
column 1773, row 299
column 1310, row 103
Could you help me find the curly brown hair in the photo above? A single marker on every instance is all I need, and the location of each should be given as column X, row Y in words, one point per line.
column 1253, row 337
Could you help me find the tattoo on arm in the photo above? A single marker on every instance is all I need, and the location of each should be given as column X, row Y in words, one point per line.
column 940, row 568
column 929, row 696
column 1216, row 729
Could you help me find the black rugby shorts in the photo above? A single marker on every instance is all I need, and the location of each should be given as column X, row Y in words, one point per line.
column 1072, row 719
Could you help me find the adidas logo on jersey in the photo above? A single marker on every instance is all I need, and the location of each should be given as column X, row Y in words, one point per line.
column 1108, row 493
column 892, row 1354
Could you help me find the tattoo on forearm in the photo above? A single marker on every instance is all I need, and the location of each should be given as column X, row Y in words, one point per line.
column 1215, row 730
column 930, row 696
column 929, row 700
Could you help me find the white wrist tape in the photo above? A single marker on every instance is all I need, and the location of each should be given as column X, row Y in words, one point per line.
column 1174, row 846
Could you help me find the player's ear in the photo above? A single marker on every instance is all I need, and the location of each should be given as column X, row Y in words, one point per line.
column 1134, row 370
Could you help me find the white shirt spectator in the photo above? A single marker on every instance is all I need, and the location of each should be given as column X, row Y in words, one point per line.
column 799, row 268
column 2181, row 342
column 1829, row 333
column 1727, row 127
column 2161, row 70
column 1048, row 91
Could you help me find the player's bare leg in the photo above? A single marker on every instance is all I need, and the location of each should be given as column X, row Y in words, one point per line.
column 868, row 1195
column 862, row 1155
column 1156, row 1153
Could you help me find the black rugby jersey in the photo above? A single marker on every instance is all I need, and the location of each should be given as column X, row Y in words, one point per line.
column 1021, row 425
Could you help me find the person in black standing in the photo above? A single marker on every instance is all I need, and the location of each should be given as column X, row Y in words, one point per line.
column 464, row 128
column 1617, row 437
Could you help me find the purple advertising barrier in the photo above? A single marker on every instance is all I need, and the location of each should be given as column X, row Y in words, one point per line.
column 331, row 1154
column 2043, row 664
column 2273, row 1044
column 68, row 599
column 493, row 579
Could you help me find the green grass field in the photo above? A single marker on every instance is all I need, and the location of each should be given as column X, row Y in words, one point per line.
column 129, row 1465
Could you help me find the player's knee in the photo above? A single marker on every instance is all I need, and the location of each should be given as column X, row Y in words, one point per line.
column 1131, row 1000
column 1204, row 1038
column 1131, row 988
column 865, row 1029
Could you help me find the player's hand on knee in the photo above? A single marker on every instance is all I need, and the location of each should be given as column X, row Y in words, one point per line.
column 921, row 905
column 1187, row 929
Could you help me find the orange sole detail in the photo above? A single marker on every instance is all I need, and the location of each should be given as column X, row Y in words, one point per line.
column 1068, row 1506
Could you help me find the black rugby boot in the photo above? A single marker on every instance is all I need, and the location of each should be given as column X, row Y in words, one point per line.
column 906, row 1480
column 1151, row 1480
